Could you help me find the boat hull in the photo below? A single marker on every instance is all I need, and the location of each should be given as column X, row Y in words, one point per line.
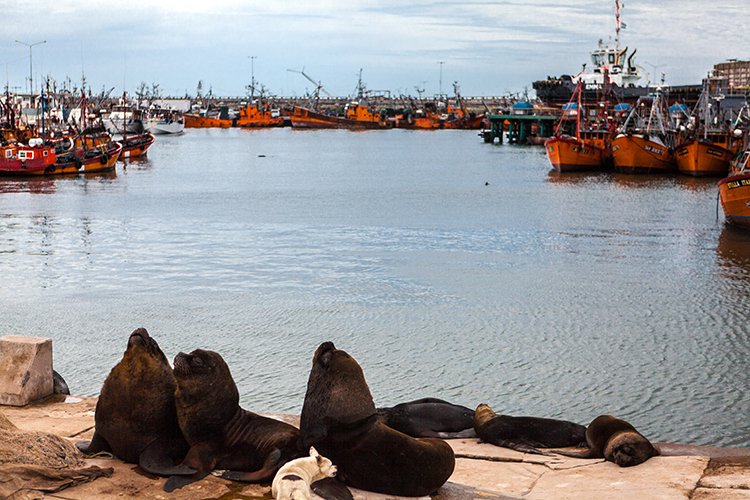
column 307, row 118
column 635, row 154
column 24, row 160
column 197, row 121
column 161, row 127
column 136, row 146
column 96, row 160
column 734, row 192
column 568, row 154
column 703, row 159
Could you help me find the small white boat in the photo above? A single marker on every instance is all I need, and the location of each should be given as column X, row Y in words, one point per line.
column 165, row 122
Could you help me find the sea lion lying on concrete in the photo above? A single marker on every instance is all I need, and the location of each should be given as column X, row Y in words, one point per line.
column 339, row 419
column 615, row 440
column 429, row 417
column 525, row 434
column 221, row 434
column 135, row 416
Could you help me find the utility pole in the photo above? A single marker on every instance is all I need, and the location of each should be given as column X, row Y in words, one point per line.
column 31, row 77
column 441, row 77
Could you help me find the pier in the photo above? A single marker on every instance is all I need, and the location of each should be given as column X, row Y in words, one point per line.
column 522, row 128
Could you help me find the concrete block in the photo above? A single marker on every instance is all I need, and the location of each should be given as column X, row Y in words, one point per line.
column 25, row 370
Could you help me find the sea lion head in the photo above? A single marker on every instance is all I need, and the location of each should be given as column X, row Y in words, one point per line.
column 140, row 343
column 337, row 393
column 206, row 394
column 628, row 448
column 482, row 415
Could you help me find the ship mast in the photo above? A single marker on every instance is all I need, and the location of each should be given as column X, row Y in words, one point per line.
column 617, row 26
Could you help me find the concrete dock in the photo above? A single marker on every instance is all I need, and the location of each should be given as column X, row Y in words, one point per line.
column 482, row 470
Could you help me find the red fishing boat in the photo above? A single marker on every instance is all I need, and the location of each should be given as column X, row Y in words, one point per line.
column 18, row 159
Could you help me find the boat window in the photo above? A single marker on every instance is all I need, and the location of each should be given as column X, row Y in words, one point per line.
column 611, row 58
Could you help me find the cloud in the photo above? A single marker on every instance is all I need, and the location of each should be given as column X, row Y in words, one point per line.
column 486, row 45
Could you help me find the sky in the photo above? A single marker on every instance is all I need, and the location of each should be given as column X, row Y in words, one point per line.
column 491, row 48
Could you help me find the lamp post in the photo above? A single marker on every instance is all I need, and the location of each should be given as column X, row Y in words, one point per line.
column 31, row 75
column 441, row 77
column 252, row 77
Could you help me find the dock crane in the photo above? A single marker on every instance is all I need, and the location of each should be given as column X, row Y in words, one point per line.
column 315, row 97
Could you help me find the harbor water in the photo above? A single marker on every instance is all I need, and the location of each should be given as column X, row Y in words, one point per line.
column 447, row 267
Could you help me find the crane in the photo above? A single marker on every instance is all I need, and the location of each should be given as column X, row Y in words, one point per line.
column 318, row 87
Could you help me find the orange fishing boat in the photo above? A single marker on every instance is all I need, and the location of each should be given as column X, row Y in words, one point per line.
column 734, row 192
column 209, row 119
column 709, row 143
column 356, row 116
column 101, row 158
column 644, row 141
column 259, row 115
column 580, row 143
column 705, row 158
column 136, row 146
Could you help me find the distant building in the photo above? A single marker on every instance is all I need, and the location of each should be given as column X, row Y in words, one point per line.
column 737, row 72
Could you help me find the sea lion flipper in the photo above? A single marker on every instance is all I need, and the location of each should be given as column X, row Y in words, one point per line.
column 268, row 469
column 519, row 446
column 156, row 460
column 175, row 482
column 96, row 445
column 579, row 453
column 331, row 489
column 464, row 434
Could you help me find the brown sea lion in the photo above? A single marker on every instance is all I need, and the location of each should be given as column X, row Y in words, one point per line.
column 615, row 440
column 339, row 419
column 135, row 415
column 525, row 434
column 221, row 434
column 429, row 417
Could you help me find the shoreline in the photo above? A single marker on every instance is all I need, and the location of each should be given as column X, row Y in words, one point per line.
column 482, row 470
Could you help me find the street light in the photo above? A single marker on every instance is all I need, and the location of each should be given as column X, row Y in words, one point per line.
column 252, row 76
column 441, row 77
column 31, row 80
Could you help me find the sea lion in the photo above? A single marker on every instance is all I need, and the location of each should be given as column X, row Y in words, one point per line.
column 525, row 434
column 429, row 417
column 616, row 441
column 221, row 434
column 135, row 415
column 340, row 420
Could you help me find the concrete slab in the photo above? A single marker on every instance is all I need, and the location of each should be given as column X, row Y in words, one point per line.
column 482, row 470
column 660, row 477
column 25, row 370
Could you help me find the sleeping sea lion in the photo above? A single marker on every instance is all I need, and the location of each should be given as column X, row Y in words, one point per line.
column 339, row 419
column 429, row 417
column 525, row 434
column 615, row 440
column 135, row 415
column 221, row 434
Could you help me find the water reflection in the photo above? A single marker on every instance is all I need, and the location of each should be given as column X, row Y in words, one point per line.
column 733, row 252
column 33, row 185
column 556, row 177
column 643, row 181
column 140, row 163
